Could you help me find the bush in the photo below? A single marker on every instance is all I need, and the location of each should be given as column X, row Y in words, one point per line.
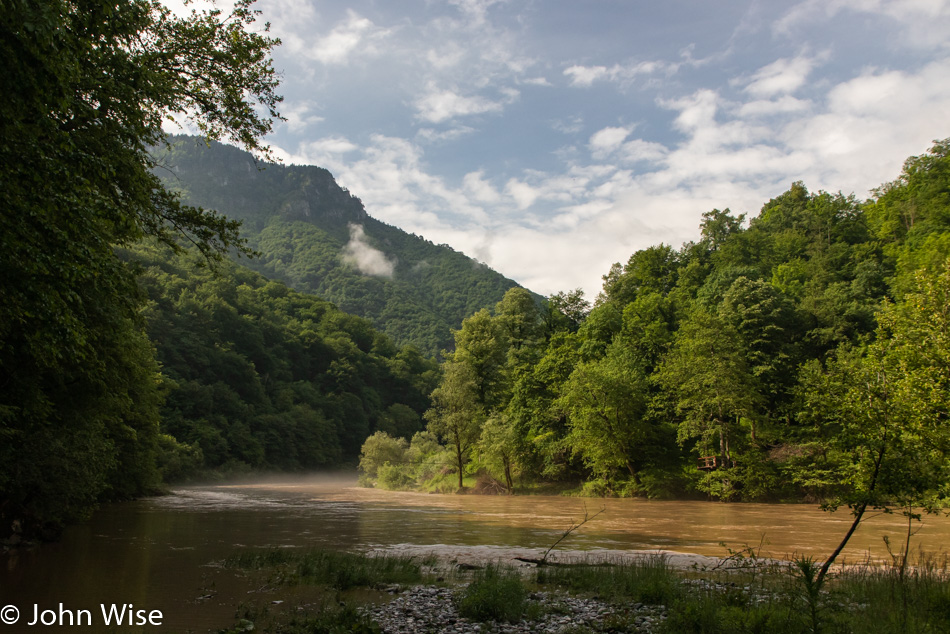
column 395, row 477
column 176, row 460
column 379, row 449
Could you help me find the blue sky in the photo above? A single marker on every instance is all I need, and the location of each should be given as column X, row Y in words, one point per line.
column 552, row 138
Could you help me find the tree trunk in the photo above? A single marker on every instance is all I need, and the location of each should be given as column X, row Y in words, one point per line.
column 633, row 472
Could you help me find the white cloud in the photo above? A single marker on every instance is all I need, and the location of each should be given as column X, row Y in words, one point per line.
column 479, row 188
column 784, row 105
column 585, row 76
column 870, row 125
column 475, row 10
column 366, row 258
column 433, row 135
column 924, row 24
column 449, row 56
column 523, row 193
column 608, row 140
column 536, row 81
column 696, row 112
column 571, row 125
column 356, row 33
column 637, row 150
column 441, row 105
column 781, row 76
column 322, row 151
column 300, row 115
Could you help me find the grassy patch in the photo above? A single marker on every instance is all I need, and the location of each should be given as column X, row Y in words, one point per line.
column 888, row 600
column 495, row 594
column 650, row 580
column 337, row 570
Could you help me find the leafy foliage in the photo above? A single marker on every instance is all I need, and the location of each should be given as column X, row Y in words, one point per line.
column 801, row 354
column 87, row 87
column 261, row 376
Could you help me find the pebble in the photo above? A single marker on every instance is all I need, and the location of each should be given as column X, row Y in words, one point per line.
column 433, row 609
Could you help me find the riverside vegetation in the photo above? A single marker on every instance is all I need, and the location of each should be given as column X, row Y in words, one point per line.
column 648, row 595
column 802, row 355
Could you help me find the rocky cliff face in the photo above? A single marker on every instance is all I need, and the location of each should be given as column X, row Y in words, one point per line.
column 222, row 177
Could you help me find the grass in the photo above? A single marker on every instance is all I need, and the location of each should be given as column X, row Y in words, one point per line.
column 650, row 580
column 757, row 597
column 337, row 570
column 494, row 594
column 890, row 600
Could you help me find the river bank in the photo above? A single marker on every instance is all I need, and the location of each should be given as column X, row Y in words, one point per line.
column 640, row 594
column 165, row 553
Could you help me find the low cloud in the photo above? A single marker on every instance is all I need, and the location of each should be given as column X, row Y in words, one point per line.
column 366, row 258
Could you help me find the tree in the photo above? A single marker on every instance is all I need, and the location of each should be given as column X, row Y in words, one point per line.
column 569, row 308
column 381, row 449
column 482, row 345
column 517, row 314
column 764, row 323
column 709, row 377
column 87, row 88
column 500, row 441
column 456, row 415
column 606, row 401
column 882, row 412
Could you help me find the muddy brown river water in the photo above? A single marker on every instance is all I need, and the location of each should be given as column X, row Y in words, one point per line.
column 165, row 553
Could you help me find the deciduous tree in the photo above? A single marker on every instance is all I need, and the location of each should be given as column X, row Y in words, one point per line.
column 87, row 87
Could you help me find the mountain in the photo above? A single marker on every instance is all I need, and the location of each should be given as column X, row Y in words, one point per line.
column 259, row 376
column 318, row 238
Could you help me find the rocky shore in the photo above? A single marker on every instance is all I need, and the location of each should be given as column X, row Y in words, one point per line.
column 432, row 609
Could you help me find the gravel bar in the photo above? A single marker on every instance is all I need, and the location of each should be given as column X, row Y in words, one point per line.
column 433, row 609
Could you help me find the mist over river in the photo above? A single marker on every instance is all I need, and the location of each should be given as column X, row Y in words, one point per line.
column 165, row 553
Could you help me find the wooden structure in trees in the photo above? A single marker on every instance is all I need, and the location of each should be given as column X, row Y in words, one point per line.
column 709, row 462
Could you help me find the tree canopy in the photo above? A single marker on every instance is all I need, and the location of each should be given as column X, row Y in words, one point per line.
column 87, row 87
column 797, row 354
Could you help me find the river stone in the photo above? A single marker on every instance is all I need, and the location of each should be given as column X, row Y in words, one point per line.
column 433, row 609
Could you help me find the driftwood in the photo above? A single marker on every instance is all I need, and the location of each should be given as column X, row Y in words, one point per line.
column 543, row 561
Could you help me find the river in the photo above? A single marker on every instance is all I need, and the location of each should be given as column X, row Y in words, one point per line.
column 164, row 553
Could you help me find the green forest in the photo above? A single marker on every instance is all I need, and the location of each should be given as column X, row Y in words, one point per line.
column 800, row 355
column 311, row 234
column 133, row 350
column 258, row 376
column 803, row 354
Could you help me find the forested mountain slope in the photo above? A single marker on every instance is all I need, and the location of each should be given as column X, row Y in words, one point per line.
column 259, row 376
column 318, row 238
